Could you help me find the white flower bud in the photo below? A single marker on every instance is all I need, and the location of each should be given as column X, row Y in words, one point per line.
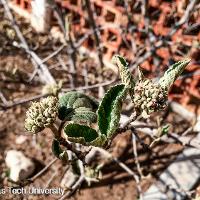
column 41, row 114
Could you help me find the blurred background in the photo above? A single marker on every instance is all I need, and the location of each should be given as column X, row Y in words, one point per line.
column 45, row 42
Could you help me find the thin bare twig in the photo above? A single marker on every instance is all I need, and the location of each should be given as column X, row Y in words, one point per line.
column 186, row 141
column 43, row 170
column 54, row 53
column 92, row 86
column 184, row 18
column 164, row 41
column 96, row 33
column 74, row 188
column 67, row 36
column 141, row 59
column 81, row 179
column 43, row 71
column 136, row 155
column 129, row 171
column 109, row 156
column 172, row 137
column 9, row 105
column 79, row 154
column 3, row 99
column 51, row 179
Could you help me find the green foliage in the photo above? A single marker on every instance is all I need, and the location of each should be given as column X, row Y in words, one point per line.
column 65, row 113
column 165, row 129
column 172, row 74
column 109, row 110
column 56, row 148
column 75, row 99
column 83, row 114
column 77, row 107
column 58, row 151
column 125, row 74
column 99, row 141
column 80, row 133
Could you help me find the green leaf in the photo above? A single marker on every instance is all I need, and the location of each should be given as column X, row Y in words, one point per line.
column 83, row 114
column 71, row 101
column 109, row 110
column 58, row 151
column 80, row 114
column 124, row 71
column 172, row 74
column 99, row 141
column 165, row 129
column 80, row 133
column 63, row 100
column 56, row 148
column 82, row 102
column 75, row 99
column 65, row 113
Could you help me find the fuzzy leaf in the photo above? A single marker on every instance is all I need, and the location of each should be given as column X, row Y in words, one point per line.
column 71, row 101
column 80, row 133
column 99, row 141
column 58, row 151
column 82, row 102
column 80, row 114
column 70, row 98
column 125, row 74
column 172, row 74
column 109, row 110
column 165, row 129
column 65, row 113
column 83, row 114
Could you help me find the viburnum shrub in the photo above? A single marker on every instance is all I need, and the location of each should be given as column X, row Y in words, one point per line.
column 78, row 112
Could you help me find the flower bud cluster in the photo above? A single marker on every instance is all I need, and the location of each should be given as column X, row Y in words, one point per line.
column 149, row 97
column 41, row 114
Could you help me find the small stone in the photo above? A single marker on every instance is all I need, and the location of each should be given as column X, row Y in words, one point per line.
column 20, row 166
column 20, row 139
